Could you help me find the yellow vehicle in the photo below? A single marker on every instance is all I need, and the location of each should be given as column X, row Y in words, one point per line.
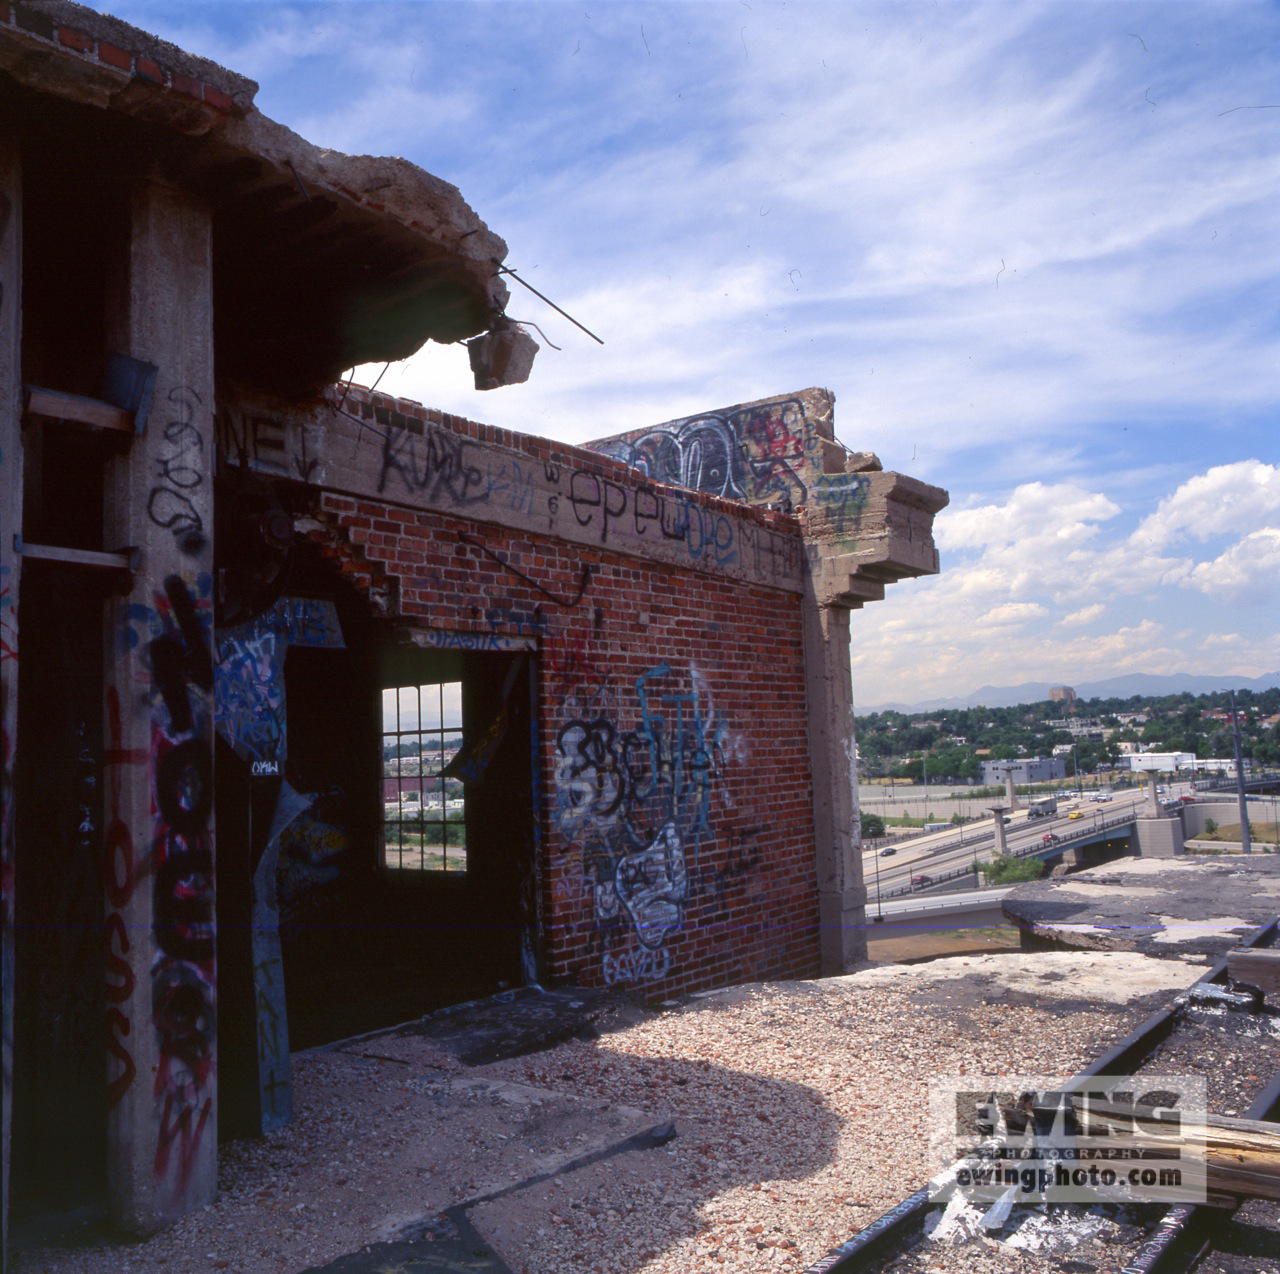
column 1076, row 814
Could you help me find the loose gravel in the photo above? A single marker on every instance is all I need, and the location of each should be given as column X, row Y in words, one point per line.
column 800, row 1114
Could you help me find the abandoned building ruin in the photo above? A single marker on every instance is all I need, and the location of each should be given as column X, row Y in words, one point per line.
column 323, row 709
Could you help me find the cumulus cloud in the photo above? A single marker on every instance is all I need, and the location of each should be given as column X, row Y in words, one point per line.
column 1082, row 617
column 1228, row 498
column 1247, row 573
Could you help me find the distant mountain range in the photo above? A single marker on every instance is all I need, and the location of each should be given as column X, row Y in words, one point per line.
column 1135, row 683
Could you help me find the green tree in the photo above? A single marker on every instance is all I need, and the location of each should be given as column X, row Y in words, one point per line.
column 872, row 825
column 1011, row 871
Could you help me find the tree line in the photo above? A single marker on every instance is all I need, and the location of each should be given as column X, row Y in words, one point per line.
column 950, row 744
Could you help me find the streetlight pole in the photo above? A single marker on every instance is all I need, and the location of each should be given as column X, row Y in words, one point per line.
column 879, row 908
column 1245, row 840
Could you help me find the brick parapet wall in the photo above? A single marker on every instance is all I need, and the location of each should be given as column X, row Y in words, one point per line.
column 703, row 675
column 120, row 57
column 406, row 413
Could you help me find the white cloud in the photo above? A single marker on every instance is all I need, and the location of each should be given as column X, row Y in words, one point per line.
column 1248, row 573
column 1034, row 256
column 1083, row 617
column 1228, row 498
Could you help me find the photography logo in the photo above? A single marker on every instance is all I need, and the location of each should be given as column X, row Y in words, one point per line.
column 1054, row 1139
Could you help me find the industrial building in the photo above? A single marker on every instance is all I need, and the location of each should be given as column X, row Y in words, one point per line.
column 322, row 708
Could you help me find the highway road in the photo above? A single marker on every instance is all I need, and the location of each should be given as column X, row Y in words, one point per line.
column 939, row 853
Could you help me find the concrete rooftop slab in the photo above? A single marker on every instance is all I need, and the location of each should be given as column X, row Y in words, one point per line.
column 1195, row 909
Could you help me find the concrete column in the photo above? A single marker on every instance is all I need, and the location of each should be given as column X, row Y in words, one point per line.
column 829, row 692
column 1010, row 795
column 10, row 524
column 1158, row 837
column 1001, row 844
column 1153, row 797
column 161, row 1046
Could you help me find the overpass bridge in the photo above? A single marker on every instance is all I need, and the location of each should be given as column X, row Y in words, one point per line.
column 1065, row 838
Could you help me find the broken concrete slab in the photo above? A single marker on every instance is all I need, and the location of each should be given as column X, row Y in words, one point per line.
column 1186, row 909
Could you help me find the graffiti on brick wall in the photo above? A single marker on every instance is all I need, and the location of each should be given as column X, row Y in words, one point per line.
column 435, row 466
column 768, row 454
column 452, row 471
column 249, row 691
column 636, row 800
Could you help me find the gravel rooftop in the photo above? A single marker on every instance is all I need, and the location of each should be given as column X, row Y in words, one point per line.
column 799, row 1114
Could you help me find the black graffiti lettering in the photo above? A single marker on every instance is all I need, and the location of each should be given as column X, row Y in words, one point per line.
column 168, row 504
column 589, row 499
column 177, row 474
column 198, row 660
column 613, row 508
column 648, row 508
column 440, row 468
column 174, row 511
column 167, row 659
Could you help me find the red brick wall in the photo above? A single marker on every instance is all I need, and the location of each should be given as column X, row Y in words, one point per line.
column 699, row 872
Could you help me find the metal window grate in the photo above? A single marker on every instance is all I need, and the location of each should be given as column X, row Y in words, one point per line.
column 424, row 821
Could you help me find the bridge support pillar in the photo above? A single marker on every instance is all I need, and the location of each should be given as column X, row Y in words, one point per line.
column 1157, row 837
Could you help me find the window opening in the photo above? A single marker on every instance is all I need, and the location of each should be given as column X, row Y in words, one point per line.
column 424, row 819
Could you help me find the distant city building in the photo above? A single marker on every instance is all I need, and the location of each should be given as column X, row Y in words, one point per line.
column 1036, row 769
column 1223, row 765
column 1162, row 762
column 1062, row 694
column 1084, row 726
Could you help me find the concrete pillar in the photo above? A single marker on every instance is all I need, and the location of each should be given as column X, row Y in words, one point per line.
column 1010, row 795
column 10, row 524
column 1158, row 837
column 1001, row 845
column 1153, row 797
column 829, row 693
column 161, row 1046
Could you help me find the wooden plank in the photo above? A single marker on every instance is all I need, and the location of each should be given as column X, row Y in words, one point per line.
column 55, row 405
column 1260, row 968
column 123, row 560
column 1242, row 1156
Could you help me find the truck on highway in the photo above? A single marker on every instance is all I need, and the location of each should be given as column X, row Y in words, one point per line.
column 1043, row 807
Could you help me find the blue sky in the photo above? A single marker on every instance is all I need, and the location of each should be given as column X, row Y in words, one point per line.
column 1034, row 249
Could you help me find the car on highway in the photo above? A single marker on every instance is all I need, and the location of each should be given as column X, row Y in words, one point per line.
column 922, row 880
column 1048, row 839
column 888, row 852
column 1076, row 814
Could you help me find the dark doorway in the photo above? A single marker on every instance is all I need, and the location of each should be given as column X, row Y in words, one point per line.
column 59, row 1079
column 409, row 881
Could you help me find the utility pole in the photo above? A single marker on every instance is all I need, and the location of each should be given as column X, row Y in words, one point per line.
column 1245, row 843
